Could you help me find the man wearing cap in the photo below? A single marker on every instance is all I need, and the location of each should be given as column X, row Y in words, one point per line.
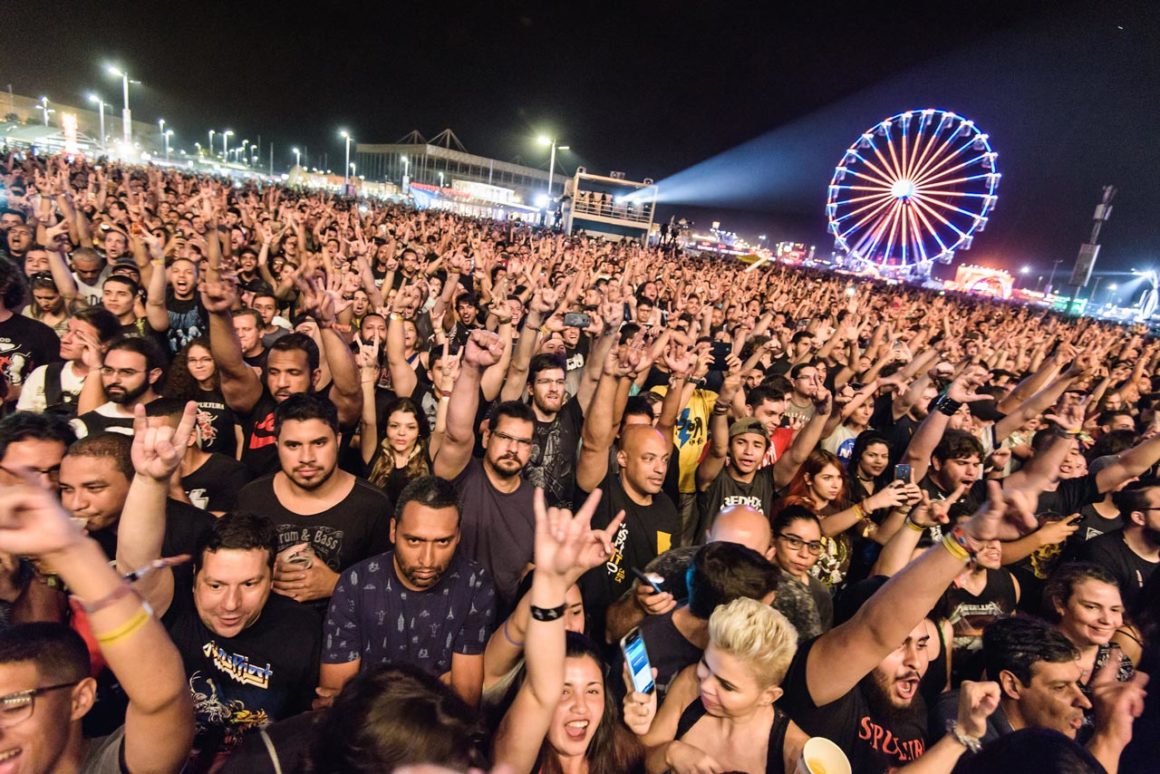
column 731, row 473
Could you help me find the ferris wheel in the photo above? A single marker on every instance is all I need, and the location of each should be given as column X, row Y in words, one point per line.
column 910, row 191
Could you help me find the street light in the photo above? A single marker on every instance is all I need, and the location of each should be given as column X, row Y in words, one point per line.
column 440, row 179
column 45, row 109
column 161, row 125
column 101, row 108
column 1025, row 270
column 297, row 157
column 226, row 144
column 406, row 170
column 167, row 134
column 346, row 169
column 126, row 115
column 243, row 157
column 551, row 158
column 198, row 146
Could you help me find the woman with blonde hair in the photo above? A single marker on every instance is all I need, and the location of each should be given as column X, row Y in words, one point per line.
column 727, row 697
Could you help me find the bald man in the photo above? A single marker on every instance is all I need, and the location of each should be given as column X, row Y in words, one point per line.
column 635, row 487
column 743, row 524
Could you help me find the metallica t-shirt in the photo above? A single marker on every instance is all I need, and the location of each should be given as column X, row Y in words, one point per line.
column 266, row 673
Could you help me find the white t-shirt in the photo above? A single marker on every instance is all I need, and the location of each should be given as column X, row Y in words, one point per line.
column 33, row 397
column 91, row 294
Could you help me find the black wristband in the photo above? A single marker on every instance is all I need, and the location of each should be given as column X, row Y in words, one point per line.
column 548, row 613
column 948, row 406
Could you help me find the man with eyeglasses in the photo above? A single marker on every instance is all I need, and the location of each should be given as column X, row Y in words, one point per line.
column 498, row 522
column 55, row 387
column 130, row 370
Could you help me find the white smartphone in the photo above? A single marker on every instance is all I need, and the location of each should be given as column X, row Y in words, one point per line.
column 635, row 655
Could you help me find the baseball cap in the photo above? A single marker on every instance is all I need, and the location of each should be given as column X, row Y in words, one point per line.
column 747, row 425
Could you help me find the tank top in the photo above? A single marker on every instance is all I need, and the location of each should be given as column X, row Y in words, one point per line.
column 773, row 755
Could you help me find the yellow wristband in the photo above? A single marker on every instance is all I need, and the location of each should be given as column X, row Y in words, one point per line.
column 957, row 551
column 916, row 527
column 125, row 629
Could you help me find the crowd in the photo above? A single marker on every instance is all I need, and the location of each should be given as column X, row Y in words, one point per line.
column 290, row 482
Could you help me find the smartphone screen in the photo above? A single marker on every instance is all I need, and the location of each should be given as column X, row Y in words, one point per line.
column 636, row 657
column 902, row 472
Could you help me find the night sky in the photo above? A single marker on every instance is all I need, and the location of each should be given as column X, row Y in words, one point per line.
column 1069, row 93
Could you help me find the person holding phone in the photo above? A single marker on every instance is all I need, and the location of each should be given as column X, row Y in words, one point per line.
column 564, row 709
column 729, row 694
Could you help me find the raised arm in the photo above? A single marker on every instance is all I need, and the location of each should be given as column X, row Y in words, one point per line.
column 930, row 431
column 483, row 349
column 612, row 314
column 599, row 431
column 240, row 386
column 846, row 654
column 788, row 464
column 542, row 304
column 713, row 462
column 565, row 547
column 159, row 722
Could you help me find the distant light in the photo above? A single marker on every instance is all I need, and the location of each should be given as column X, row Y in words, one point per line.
column 1113, row 286
column 542, row 140
column 542, row 200
column 1025, row 270
column 563, row 147
column 902, row 189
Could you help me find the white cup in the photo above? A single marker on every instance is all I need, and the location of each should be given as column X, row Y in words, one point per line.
column 821, row 756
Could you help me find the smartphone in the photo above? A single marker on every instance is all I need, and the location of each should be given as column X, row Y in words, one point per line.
column 657, row 585
column 577, row 320
column 902, row 472
column 720, row 351
column 635, row 655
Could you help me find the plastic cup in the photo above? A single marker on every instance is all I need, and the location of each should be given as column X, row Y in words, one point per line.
column 821, row 756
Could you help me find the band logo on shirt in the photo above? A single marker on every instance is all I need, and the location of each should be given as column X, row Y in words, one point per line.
column 237, row 666
column 884, row 741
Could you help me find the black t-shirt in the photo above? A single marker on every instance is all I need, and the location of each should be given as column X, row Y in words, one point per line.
column 267, row 672
column 646, row 532
column 25, row 344
column 215, row 485
column 552, row 464
column 259, row 444
column 216, row 422
column 1071, row 495
column 187, row 321
column 1112, row 553
column 355, row 529
column 668, row 650
column 184, row 526
column 726, row 492
column 498, row 530
column 872, row 744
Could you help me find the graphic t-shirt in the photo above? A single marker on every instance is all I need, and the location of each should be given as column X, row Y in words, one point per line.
column 374, row 618
column 646, row 532
column 691, row 433
column 216, row 484
column 969, row 614
column 266, row 673
column 552, row 464
column 25, row 344
column 186, row 321
column 726, row 491
column 872, row 744
column 1113, row 554
column 259, row 444
column 353, row 530
column 216, row 423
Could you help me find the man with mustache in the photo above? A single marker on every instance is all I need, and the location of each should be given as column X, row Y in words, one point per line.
column 498, row 520
column 130, row 371
column 327, row 519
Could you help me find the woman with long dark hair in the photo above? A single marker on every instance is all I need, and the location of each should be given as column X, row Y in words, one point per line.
column 402, row 455
column 193, row 375
column 563, row 717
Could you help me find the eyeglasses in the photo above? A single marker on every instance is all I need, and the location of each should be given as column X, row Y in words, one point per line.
column 796, row 544
column 512, row 439
column 17, row 707
column 124, row 373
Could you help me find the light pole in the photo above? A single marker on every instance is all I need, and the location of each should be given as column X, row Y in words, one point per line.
column 243, row 156
column 297, row 157
column 161, row 126
column 198, row 146
column 440, row 179
column 168, row 133
column 226, row 144
column 346, row 169
column 126, row 115
column 1051, row 277
column 551, row 160
column 210, row 146
column 101, row 110
column 406, row 171
column 45, row 109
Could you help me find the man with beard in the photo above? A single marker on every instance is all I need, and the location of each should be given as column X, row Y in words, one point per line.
column 857, row 684
column 732, row 473
column 292, row 368
column 130, row 370
column 498, row 519
column 1133, row 553
column 327, row 519
column 423, row 602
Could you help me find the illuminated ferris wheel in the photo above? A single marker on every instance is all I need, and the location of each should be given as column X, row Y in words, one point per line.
column 911, row 191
